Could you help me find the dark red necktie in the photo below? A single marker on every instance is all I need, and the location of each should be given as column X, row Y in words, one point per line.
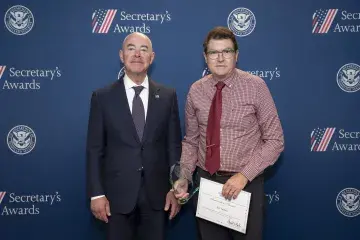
column 212, row 162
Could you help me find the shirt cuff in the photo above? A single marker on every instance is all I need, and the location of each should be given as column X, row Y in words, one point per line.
column 96, row 197
column 250, row 171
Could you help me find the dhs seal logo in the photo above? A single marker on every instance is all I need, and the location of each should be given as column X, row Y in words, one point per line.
column 347, row 202
column 241, row 22
column 21, row 140
column 19, row 20
column 121, row 72
column 205, row 72
column 348, row 77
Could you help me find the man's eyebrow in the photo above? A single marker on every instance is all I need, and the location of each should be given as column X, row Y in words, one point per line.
column 142, row 46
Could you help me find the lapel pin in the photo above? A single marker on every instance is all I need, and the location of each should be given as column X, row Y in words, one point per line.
column 157, row 96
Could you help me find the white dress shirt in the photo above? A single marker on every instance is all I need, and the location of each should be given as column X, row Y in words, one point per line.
column 130, row 94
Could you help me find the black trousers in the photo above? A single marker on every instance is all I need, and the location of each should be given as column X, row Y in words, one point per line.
column 143, row 223
column 211, row 231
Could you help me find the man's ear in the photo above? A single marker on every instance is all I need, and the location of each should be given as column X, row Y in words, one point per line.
column 152, row 57
column 121, row 55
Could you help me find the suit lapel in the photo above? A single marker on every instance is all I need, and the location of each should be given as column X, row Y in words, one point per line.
column 127, row 113
column 151, row 111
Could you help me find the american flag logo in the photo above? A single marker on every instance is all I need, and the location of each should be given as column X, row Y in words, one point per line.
column 320, row 139
column 2, row 195
column 322, row 20
column 2, row 70
column 102, row 19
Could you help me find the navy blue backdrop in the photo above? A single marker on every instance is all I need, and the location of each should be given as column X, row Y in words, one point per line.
column 54, row 53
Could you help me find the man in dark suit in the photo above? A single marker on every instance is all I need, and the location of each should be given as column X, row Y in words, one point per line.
column 133, row 138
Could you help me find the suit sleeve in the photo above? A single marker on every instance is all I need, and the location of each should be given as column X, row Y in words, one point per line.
column 95, row 148
column 174, row 132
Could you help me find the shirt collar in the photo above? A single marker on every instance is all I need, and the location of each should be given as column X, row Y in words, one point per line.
column 129, row 83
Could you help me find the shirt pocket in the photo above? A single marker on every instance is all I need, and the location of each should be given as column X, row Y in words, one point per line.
column 240, row 117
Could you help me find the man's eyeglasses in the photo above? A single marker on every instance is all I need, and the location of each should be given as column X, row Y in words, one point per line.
column 226, row 53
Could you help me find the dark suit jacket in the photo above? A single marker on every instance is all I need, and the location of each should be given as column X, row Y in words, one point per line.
column 115, row 155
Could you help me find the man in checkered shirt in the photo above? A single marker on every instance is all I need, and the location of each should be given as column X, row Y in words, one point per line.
column 251, row 136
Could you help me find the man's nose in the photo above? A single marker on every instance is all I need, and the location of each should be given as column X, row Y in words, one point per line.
column 220, row 57
column 137, row 53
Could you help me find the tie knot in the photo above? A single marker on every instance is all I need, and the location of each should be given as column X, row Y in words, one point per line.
column 138, row 90
column 220, row 85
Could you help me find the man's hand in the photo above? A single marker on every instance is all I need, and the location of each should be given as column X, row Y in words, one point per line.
column 234, row 185
column 172, row 204
column 181, row 189
column 100, row 208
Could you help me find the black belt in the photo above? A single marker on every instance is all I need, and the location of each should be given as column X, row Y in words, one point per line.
column 225, row 173
column 220, row 173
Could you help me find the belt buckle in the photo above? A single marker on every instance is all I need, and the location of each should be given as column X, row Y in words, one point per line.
column 218, row 174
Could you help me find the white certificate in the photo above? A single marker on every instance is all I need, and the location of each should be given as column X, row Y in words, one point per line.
column 212, row 206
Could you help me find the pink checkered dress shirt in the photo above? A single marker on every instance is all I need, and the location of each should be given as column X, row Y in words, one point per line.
column 251, row 136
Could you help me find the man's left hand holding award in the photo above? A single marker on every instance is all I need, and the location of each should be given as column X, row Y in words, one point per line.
column 182, row 184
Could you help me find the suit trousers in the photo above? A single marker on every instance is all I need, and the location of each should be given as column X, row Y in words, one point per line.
column 143, row 223
column 211, row 231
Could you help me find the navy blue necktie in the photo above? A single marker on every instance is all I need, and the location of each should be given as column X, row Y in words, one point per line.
column 138, row 112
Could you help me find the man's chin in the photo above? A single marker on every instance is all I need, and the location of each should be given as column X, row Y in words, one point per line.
column 220, row 74
column 138, row 71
